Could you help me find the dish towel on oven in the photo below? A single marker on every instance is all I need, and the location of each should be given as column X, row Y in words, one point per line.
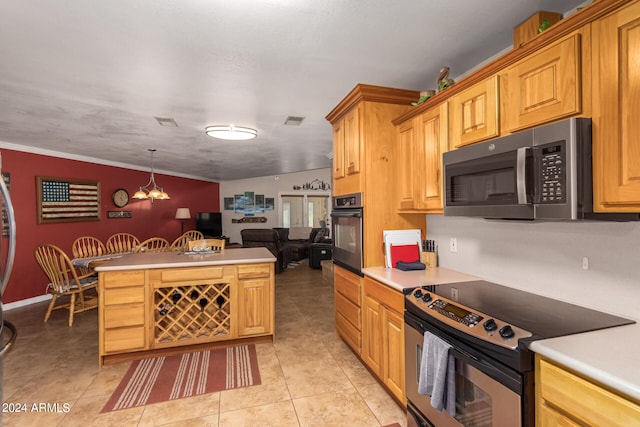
column 437, row 374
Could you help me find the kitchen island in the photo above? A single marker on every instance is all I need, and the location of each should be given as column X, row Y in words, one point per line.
column 155, row 303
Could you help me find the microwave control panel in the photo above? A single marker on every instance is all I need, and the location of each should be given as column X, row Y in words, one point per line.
column 552, row 188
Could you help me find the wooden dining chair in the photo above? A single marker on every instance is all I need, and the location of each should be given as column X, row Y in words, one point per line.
column 154, row 244
column 122, row 243
column 65, row 281
column 182, row 242
column 214, row 244
column 87, row 246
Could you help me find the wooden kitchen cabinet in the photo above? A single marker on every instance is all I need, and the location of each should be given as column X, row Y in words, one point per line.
column 383, row 335
column 255, row 299
column 616, row 108
column 347, row 145
column 347, row 301
column 474, row 114
column 365, row 115
column 122, row 312
column 421, row 143
column 568, row 399
column 544, row 86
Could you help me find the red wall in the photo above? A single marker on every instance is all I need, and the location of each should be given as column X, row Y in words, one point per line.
column 148, row 219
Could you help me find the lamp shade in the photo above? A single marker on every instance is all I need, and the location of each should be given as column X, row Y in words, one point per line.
column 183, row 213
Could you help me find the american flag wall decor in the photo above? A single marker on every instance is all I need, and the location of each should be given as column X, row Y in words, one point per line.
column 67, row 200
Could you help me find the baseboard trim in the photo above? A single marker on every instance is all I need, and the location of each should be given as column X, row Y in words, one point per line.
column 25, row 302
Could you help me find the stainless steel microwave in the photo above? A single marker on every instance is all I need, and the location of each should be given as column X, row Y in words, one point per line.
column 540, row 173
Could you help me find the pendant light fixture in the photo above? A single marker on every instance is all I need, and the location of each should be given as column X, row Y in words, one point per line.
column 231, row 132
column 151, row 190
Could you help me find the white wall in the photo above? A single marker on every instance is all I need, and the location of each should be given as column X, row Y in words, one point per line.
column 546, row 258
column 270, row 186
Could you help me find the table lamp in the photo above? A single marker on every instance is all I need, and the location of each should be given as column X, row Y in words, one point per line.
column 183, row 214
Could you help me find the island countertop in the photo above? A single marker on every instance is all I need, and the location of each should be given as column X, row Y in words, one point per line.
column 141, row 261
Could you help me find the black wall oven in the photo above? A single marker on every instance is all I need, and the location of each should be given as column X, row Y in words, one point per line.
column 488, row 327
column 347, row 218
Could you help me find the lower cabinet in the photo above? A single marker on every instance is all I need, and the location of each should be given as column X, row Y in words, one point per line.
column 383, row 335
column 255, row 299
column 347, row 290
column 567, row 399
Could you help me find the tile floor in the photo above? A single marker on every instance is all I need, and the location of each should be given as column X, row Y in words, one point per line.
column 309, row 376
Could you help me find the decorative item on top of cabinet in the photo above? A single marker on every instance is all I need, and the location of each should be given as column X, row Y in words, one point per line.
column 421, row 142
column 474, row 114
column 616, row 107
column 534, row 25
column 544, row 86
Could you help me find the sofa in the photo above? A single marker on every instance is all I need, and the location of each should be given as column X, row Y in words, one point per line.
column 267, row 238
column 300, row 239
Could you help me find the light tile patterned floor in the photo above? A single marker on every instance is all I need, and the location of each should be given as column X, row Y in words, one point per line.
column 309, row 377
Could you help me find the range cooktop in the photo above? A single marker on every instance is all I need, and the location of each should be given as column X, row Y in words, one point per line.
column 541, row 316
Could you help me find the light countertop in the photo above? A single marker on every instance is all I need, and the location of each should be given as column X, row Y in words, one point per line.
column 400, row 280
column 143, row 261
column 608, row 356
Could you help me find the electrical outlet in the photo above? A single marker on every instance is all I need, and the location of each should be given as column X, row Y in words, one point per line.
column 453, row 244
column 454, row 294
column 585, row 263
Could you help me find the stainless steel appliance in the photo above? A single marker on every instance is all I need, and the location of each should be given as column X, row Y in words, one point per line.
column 489, row 327
column 8, row 225
column 541, row 173
column 347, row 232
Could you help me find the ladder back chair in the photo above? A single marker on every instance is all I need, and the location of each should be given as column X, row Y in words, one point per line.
column 65, row 281
column 122, row 243
column 154, row 244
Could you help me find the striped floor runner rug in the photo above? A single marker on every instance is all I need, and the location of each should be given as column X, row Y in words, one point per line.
column 173, row 377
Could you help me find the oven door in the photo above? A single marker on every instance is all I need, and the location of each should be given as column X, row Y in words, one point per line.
column 487, row 394
column 347, row 238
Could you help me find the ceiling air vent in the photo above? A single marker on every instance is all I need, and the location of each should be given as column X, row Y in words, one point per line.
column 293, row 121
column 166, row 121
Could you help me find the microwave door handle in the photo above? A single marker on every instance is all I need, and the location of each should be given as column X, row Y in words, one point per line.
column 521, row 171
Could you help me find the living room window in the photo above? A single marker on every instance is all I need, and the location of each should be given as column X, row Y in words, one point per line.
column 304, row 210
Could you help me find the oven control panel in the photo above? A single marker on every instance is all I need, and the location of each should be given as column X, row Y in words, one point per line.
column 463, row 318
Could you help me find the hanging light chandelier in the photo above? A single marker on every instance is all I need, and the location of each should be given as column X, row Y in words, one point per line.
column 151, row 190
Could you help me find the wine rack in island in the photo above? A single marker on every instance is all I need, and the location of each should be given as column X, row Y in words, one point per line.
column 192, row 312
column 155, row 309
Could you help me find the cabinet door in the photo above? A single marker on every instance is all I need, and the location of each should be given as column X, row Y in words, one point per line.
column 254, row 306
column 433, row 138
column 406, row 140
column 372, row 335
column 352, row 142
column 338, row 150
column 616, row 96
column 393, row 346
column 474, row 113
column 544, row 86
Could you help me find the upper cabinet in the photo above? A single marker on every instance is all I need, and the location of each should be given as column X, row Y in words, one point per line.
column 346, row 144
column 616, row 109
column 544, row 86
column 474, row 114
column 362, row 128
column 421, row 142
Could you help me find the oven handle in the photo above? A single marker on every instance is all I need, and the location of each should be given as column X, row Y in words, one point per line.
column 350, row 214
column 513, row 382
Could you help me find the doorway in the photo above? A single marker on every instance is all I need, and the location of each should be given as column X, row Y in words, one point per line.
column 304, row 210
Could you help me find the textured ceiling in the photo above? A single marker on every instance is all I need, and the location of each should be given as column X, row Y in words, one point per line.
column 87, row 78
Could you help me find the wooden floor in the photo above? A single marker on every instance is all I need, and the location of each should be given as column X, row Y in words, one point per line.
column 309, row 377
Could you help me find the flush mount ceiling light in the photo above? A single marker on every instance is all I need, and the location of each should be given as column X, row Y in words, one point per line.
column 231, row 132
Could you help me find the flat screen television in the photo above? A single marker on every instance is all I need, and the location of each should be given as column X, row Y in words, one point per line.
column 209, row 223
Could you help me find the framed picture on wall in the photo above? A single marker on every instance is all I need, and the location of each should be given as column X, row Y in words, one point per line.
column 269, row 203
column 259, row 203
column 229, row 204
column 239, row 203
column 67, row 200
